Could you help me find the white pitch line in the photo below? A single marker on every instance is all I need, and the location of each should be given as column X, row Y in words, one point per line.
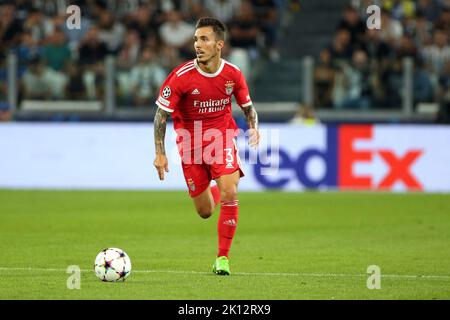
column 276, row 274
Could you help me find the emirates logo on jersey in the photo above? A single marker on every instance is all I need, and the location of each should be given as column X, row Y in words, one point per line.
column 229, row 86
column 211, row 105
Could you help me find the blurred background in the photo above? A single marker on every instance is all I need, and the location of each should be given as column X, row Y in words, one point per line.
column 304, row 60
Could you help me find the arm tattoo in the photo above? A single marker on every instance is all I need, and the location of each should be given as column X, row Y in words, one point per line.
column 251, row 117
column 160, row 123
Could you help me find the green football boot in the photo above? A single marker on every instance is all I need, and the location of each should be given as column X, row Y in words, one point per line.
column 221, row 266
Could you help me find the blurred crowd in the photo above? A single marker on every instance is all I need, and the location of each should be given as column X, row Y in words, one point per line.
column 362, row 68
column 147, row 38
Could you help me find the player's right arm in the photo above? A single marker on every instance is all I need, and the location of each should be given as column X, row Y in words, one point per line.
column 168, row 99
column 160, row 122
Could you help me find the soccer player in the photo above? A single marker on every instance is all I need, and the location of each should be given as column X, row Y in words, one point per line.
column 198, row 96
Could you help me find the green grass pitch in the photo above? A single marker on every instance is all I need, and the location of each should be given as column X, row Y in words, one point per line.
column 287, row 246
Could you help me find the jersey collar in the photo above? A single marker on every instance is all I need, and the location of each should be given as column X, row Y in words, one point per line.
column 209, row 75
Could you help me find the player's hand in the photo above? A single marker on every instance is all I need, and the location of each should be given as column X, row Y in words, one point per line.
column 161, row 164
column 253, row 137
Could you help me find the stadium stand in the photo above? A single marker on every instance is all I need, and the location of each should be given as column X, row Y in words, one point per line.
column 124, row 49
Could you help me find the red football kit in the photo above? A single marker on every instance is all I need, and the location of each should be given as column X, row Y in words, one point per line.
column 200, row 104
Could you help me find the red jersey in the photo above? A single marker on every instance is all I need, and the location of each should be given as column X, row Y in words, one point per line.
column 194, row 96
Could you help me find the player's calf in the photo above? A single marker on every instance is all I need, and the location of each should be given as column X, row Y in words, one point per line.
column 204, row 204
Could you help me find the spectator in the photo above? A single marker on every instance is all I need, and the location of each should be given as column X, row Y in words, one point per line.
column 324, row 77
column 56, row 51
column 41, row 82
column 169, row 5
column 10, row 26
column 444, row 95
column 421, row 29
column 127, row 58
column 357, row 83
column 430, row 8
column 142, row 20
column 177, row 33
column 400, row 9
column 267, row 16
column 340, row 49
column 92, row 50
column 392, row 79
column 223, row 9
column 376, row 48
column 146, row 78
column 123, row 8
column 111, row 32
column 244, row 30
column 444, row 82
column 392, row 30
column 443, row 22
column 3, row 84
column 129, row 52
column 305, row 116
column 195, row 11
column 27, row 48
column 52, row 7
column 437, row 54
column 169, row 57
column 38, row 25
column 75, row 89
column 352, row 22
column 406, row 48
column 92, row 53
column 94, row 80
column 422, row 86
column 379, row 54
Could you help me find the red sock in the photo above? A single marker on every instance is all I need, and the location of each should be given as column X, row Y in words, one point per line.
column 216, row 194
column 227, row 225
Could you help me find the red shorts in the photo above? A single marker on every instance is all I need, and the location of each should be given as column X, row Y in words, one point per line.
column 199, row 175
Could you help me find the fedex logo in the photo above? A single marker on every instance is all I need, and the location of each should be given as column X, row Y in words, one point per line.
column 340, row 157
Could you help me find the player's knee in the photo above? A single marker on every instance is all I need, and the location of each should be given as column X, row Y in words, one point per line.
column 228, row 194
column 205, row 212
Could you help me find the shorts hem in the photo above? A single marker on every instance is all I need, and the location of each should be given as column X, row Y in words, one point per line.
column 241, row 173
column 198, row 192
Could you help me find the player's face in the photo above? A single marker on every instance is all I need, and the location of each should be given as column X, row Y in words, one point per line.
column 206, row 45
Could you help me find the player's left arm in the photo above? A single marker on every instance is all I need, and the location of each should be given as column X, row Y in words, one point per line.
column 251, row 116
column 243, row 99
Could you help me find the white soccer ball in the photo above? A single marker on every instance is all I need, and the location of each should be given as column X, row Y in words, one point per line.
column 112, row 265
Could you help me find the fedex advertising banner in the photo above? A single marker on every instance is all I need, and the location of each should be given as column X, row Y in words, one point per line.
column 290, row 157
column 360, row 157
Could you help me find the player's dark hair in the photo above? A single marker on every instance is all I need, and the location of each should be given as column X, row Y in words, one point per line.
column 218, row 26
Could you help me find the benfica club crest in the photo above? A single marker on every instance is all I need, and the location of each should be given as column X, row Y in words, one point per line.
column 191, row 184
column 229, row 86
